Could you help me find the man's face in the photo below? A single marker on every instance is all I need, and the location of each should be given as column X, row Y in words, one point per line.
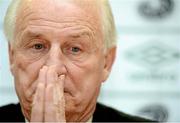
column 65, row 36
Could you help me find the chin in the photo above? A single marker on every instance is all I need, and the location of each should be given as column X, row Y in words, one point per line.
column 77, row 110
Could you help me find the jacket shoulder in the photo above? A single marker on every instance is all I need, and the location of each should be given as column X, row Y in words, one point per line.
column 11, row 113
column 108, row 114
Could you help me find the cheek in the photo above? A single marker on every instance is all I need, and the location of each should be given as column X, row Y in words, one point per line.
column 25, row 74
column 86, row 76
column 84, row 84
column 29, row 67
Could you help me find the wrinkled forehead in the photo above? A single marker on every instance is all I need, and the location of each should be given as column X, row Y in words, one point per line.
column 46, row 6
column 60, row 10
column 77, row 2
column 59, row 13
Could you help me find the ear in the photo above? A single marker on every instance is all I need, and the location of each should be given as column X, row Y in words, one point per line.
column 11, row 57
column 109, row 60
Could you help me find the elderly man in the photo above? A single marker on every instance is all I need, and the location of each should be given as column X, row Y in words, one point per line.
column 60, row 52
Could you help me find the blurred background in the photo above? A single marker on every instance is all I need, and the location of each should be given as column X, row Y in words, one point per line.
column 145, row 79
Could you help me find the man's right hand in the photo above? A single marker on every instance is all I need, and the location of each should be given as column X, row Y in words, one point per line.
column 49, row 103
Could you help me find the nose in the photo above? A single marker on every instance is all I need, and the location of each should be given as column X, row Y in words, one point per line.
column 56, row 59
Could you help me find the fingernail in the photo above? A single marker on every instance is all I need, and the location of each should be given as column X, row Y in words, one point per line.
column 43, row 67
column 61, row 77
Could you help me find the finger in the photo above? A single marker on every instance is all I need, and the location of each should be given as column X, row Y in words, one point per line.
column 38, row 102
column 49, row 106
column 54, row 99
column 59, row 98
column 37, row 108
column 59, row 89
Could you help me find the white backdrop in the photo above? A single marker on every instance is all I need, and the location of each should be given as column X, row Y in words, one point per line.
column 145, row 79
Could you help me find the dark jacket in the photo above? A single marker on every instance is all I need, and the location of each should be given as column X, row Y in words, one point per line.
column 12, row 113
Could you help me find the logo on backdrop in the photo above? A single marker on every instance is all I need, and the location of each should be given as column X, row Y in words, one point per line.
column 156, row 9
column 154, row 55
column 157, row 112
column 157, row 62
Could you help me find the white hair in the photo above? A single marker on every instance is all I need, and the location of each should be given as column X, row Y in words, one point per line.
column 10, row 20
column 108, row 25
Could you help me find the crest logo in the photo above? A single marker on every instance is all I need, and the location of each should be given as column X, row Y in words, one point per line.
column 158, row 112
column 156, row 9
column 154, row 55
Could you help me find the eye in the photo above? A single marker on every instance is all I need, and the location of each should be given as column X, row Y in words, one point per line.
column 38, row 46
column 75, row 49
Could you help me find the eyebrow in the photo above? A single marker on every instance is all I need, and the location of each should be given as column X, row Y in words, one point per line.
column 80, row 34
column 33, row 34
column 74, row 34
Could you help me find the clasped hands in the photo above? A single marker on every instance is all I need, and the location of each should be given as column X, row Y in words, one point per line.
column 48, row 102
